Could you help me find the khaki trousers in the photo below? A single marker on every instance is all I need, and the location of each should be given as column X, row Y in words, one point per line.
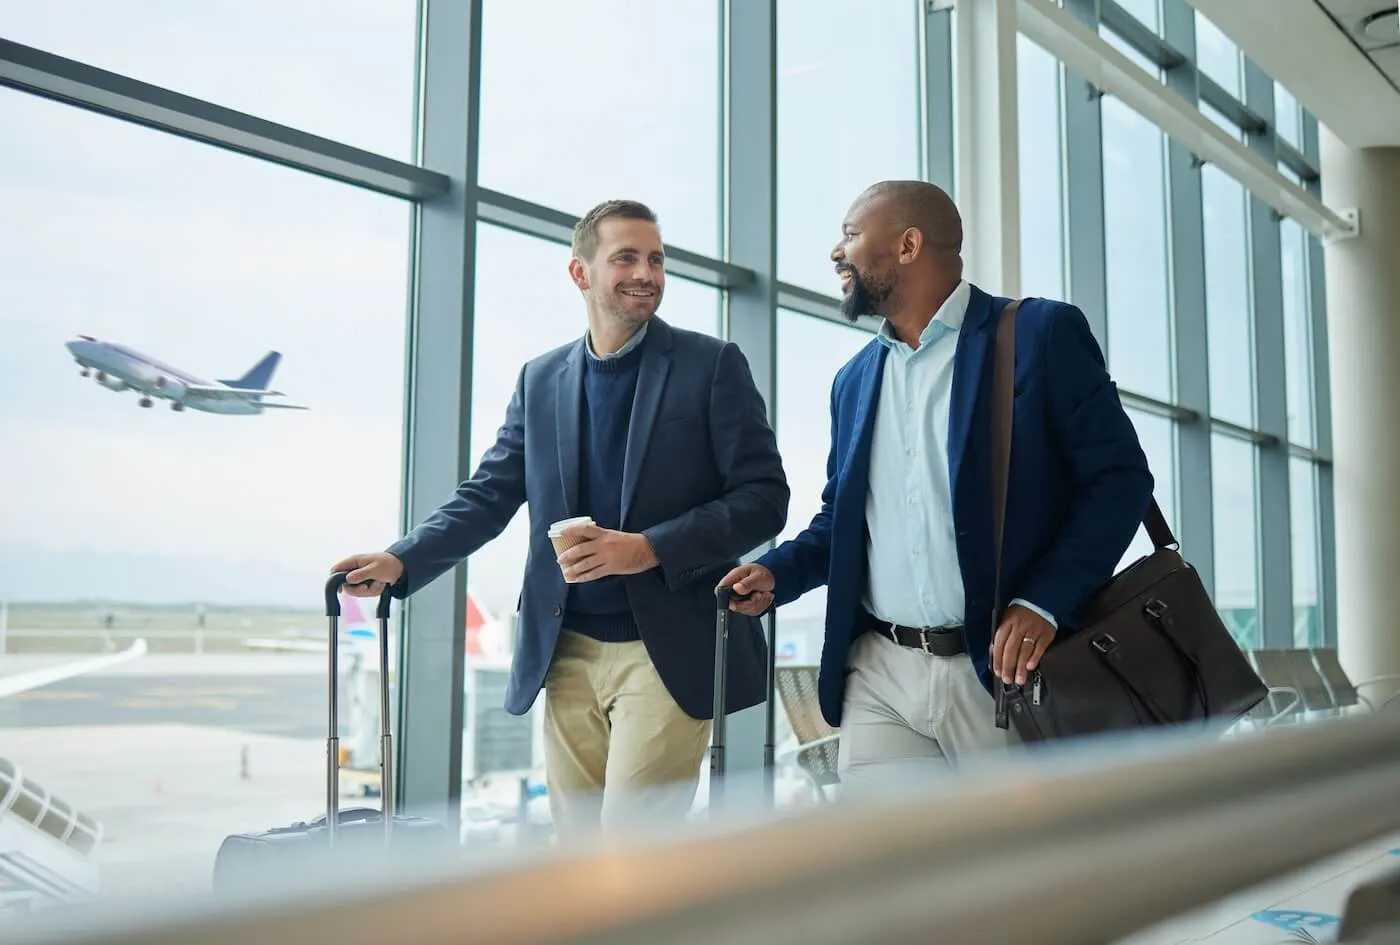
column 618, row 750
column 909, row 715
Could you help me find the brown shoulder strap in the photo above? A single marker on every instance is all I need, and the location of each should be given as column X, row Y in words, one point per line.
column 1003, row 397
column 1003, row 404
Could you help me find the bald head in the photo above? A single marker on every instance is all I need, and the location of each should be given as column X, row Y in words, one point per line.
column 916, row 204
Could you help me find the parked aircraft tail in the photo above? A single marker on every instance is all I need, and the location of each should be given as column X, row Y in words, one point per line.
column 259, row 377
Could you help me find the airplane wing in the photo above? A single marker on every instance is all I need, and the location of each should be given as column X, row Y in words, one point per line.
column 272, row 406
column 22, row 682
column 230, row 393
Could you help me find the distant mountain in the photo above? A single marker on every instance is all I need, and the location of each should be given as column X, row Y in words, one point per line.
column 32, row 573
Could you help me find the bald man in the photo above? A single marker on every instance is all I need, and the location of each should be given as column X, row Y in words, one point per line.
column 903, row 541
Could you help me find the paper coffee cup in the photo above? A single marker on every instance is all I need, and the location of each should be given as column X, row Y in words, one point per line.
column 564, row 542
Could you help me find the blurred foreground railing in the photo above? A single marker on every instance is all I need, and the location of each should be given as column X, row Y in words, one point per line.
column 1081, row 849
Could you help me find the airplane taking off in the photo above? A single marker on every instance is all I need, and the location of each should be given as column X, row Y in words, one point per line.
column 117, row 367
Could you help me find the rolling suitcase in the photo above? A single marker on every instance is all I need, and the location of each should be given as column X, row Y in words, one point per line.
column 723, row 597
column 257, row 858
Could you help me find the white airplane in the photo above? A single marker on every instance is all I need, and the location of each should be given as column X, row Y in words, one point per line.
column 14, row 683
column 119, row 368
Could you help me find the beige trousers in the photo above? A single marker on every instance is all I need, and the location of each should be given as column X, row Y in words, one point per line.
column 908, row 715
column 618, row 750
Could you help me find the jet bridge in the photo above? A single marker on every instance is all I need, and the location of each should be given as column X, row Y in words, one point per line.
column 46, row 845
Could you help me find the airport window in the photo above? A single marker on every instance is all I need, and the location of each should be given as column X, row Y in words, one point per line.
column 1288, row 116
column 1235, row 502
column 848, row 116
column 1307, row 600
column 1297, row 332
column 347, row 75
column 1158, row 438
column 1135, row 242
column 1041, row 174
column 1229, row 334
column 205, row 531
column 616, row 98
column 1217, row 56
column 1145, row 10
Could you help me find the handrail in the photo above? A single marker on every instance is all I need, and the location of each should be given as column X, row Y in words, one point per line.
column 1086, row 847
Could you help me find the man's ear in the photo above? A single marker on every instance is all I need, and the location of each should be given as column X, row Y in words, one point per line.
column 911, row 243
column 579, row 273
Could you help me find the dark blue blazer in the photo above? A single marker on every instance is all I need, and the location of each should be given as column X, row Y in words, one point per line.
column 702, row 479
column 1079, row 482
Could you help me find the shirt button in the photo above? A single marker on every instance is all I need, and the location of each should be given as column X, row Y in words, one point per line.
column 912, row 500
column 558, row 611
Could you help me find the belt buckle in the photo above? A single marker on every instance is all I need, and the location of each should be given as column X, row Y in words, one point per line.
column 923, row 641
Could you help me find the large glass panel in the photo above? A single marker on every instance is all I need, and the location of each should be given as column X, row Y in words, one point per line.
column 1135, row 242
column 1158, row 437
column 1228, row 334
column 1217, row 55
column 585, row 102
column 1307, row 602
column 1297, row 342
column 810, row 352
column 207, row 534
column 1288, row 117
column 848, row 116
column 1042, row 212
column 344, row 71
column 1234, row 503
column 526, row 305
column 1144, row 10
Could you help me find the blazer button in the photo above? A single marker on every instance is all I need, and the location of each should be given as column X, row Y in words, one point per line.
column 558, row 611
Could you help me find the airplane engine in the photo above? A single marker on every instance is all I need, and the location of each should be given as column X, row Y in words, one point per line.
column 170, row 387
column 111, row 383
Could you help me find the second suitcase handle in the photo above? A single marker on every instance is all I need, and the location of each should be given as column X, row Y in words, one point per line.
column 723, row 597
column 386, row 781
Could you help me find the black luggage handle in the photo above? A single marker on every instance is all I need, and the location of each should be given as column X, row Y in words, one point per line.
column 334, row 583
column 724, row 596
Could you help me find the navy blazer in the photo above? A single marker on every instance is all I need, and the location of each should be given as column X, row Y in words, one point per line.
column 702, row 480
column 1079, row 483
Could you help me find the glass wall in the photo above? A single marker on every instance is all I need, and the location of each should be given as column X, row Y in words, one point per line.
column 149, row 271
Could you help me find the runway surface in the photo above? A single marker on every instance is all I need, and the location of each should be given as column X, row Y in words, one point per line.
column 291, row 705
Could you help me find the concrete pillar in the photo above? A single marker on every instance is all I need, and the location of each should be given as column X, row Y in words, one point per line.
column 1363, row 316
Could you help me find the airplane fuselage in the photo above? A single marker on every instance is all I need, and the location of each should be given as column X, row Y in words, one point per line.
column 119, row 368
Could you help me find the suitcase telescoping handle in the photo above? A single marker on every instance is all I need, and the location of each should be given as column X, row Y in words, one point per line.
column 723, row 597
column 386, row 780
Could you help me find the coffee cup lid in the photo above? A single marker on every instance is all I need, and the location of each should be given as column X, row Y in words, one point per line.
column 559, row 526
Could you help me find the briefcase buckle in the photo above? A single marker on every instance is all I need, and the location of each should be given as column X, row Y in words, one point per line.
column 1104, row 643
column 1155, row 609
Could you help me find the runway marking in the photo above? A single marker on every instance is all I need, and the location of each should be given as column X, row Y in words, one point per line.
column 54, row 695
column 221, row 705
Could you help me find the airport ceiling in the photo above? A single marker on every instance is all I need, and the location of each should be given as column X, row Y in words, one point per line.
column 1340, row 58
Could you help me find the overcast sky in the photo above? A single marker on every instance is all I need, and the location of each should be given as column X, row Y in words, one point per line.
column 206, row 260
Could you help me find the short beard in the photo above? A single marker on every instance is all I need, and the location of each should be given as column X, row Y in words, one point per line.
column 866, row 296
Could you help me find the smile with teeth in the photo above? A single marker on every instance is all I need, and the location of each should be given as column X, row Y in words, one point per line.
column 639, row 293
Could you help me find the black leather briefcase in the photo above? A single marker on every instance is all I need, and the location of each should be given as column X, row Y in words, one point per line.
column 265, row 857
column 1151, row 648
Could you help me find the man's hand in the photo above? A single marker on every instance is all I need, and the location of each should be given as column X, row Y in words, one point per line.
column 604, row 552
column 369, row 574
column 1021, row 641
column 754, row 580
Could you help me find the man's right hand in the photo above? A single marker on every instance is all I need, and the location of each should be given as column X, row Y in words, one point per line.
column 369, row 574
column 754, row 580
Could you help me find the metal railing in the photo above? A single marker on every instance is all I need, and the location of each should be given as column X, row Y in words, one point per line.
column 1086, row 847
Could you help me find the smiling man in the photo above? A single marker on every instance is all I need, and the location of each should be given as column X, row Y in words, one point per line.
column 660, row 437
column 904, row 541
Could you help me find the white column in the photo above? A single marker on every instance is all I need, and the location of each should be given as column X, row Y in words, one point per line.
column 987, row 169
column 1363, row 315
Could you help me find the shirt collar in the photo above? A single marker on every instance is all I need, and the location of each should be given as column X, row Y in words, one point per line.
column 949, row 317
column 632, row 343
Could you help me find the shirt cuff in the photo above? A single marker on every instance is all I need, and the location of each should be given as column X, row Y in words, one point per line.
column 1046, row 614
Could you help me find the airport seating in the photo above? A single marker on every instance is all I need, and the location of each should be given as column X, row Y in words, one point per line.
column 1343, row 691
column 816, row 741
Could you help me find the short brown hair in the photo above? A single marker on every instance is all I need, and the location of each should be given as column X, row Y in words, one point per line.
column 585, row 241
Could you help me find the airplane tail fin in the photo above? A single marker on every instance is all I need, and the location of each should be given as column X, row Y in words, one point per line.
column 259, row 376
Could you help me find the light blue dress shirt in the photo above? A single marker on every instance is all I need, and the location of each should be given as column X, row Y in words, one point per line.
column 914, row 578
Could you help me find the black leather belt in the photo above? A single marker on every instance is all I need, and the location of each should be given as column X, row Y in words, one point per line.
column 936, row 641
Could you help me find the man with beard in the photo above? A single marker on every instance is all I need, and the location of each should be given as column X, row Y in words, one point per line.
column 661, row 438
column 904, row 539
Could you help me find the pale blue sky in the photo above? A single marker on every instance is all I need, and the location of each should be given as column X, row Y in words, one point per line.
column 206, row 259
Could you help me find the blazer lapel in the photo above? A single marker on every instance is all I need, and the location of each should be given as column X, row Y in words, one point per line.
column 651, row 383
column 855, row 473
column 969, row 372
column 568, row 417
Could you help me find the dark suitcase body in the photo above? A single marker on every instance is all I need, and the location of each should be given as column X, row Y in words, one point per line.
column 262, row 857
column 723, row 597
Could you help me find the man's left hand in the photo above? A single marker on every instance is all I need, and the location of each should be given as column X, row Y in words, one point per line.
column 1021, row 641
column 604, row 552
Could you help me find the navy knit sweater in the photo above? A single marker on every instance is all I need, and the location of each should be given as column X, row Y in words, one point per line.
column 600, row 608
